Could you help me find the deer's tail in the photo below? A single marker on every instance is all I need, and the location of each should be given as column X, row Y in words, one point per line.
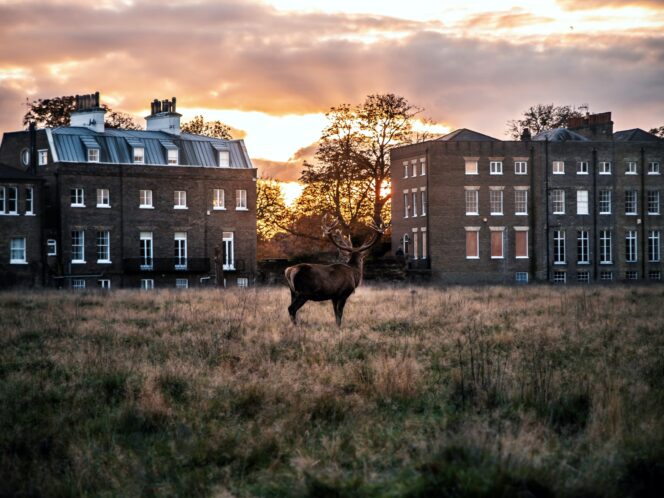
column 290, row 273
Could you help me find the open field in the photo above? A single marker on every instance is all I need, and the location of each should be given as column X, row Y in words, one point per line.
column 528, row 391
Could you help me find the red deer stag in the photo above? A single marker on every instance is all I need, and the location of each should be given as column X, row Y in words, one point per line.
column 317, row 282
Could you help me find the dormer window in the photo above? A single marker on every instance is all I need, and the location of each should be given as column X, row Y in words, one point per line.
column 173, row 157
column 224, row 159
column 139, row 155
column 43, row 157
column 93, row 155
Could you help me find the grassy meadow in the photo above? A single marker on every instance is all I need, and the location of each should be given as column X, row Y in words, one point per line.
column 461, row 392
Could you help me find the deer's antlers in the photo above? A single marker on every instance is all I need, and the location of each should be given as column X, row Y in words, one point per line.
column 332, row 232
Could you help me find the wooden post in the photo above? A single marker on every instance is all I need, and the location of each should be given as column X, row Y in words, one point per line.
column 219, row 257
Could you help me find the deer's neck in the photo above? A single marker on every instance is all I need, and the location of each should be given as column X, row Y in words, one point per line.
column 356, row 262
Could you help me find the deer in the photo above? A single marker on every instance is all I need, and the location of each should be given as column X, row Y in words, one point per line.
column 336, row 282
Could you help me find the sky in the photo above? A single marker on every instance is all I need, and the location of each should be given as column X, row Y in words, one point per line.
column 272, row 68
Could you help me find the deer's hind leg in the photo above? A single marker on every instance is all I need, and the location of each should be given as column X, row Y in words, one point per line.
column 338, row 305
column 296, row 303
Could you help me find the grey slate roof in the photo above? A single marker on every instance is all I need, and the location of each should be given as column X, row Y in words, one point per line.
column 116, row 146
column 635, row 135
column 464, row 134
column 560, row 135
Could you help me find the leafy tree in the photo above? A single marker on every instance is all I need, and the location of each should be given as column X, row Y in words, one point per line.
column 351, row 171
column 272, row 214
column 539, row 118
column 658, row 131
column 54, row 112
column 215, row 129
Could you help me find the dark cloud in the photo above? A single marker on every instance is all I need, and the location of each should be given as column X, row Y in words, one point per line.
column 598, row 4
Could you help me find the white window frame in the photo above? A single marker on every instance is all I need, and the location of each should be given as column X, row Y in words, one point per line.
column 103, row 247
column 655, row 275
column 228, row 239
column 172, row 157
column 605, row 167
column 180, row 250
column 146, row 250
column 495, row 167
column 29, row 201
column 218, row 199
column 559, row 277
column 605, row 247
column 224, row 159
column 18, row 251
column 180, row 199
column 415, row 239
column 406, row 169
column 423, row 198
column 558, row 167
column 606, row 276
column 605, row 202
column 582, row 168
column 3, row 200
column 631, row 246
column 527, row 232
column 582, row 247
column 138, row 154
column 477, row 242
column 582, row 206
column 145, row 199
column 518, row 192
column 653, row 167
column 423, row 167
column 78, row 283
column 472, row 166
column 521, row 277
column 406, row 204
column 496, row 197
column 559, row 249
column 654, row 202
column 520, row 167
column 415, row 203
column 51, row 247
column 76, row 199
column 181, row 283
column 241, row 200
column 12, row 201
column 103, row 201
column 147, row 283
column 425, row 249
column 42, row 157
column 242, row 282
column 630, row 168
column 414, row 166
column 93, row 155
column 583, row 276
column 80, row 244
column 471, row 197
column 558, row 201
column 104, row 283
column 631, row 275
column 631, row 202
column 493, row 230
column 654, row 246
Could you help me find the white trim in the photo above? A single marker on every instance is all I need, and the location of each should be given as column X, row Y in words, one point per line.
column 51, row 144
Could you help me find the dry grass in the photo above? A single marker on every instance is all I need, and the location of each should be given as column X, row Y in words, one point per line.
column 527, row 391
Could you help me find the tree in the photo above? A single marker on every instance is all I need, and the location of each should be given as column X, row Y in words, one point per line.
column 272, row 214
column 351, row 170
column 54, row 112
column 658, row 131
column 539, row 118
column 215, row 129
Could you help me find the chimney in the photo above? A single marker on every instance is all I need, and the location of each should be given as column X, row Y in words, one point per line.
column 88, row 113
column 598, row 127
column 163, row 117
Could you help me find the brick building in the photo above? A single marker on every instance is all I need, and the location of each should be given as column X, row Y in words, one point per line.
column 83, row 206
column 580, row 204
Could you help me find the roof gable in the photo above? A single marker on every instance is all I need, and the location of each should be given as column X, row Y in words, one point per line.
column 635, row 135
column 466, row 135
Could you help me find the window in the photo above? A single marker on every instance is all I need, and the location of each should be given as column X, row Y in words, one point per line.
column 229, row 254
column 17, row 251
column 29, row 201
column 104, row 283
column 558, row 199
column 145, row 199
column 630, row 202
column 653, row 246
column 180, row 251
column 224, row 159
column 78, row 246
column 497, row 243
column 472, row 243
column 406, row 204
column 240, row 199
column 472, row 204
column 496, row 167
column 414, row 203
column 583, row 276
column 405, row 169
column 25, row 156
column 653, row 168
column 631, row 275
column 630, row 168
column 146, row 253
column 653, row 202
column 520, row 201
column 559, row 247
column 93, row 155
column 521, row 277
column 582, row 168
column 606, row 276
column 558, row 167
column 51, row 247
column 416, row 247
column 655, row 275
column 243, row 282
column 3, row 203
column 424, row 242
column 581, row 202
column 605, row 250
column 520, row 168
column 147, row 283
column 77, row 197
column 423, row 194
column 43, row 157
column 414, row 163
column 12, row 200
column 423, row 167
column 630, row 247
column 559, row 277
column 78, row 283
column 582, row 251
column 218, row 198
column 103, row 246
column 181, row 283
column 604, row 202
column 471, row 167
column 496, row 201
column 521, row 242
column 173, row 156
column 139, row 155
column 103, row 198
column 180, row 199
column 604, row 168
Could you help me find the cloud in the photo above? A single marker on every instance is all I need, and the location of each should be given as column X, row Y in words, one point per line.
column 608, row 4
column 514, row 18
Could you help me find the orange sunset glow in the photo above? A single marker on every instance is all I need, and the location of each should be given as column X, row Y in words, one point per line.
column 271, row 69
